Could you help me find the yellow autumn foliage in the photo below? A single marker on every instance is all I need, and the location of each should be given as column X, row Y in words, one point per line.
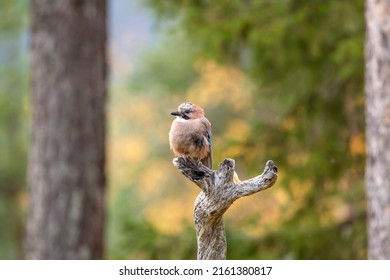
column 218, row 84
column 168, row 214
column 357, row 145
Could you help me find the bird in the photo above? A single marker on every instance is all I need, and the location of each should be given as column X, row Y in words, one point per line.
column 190, row 133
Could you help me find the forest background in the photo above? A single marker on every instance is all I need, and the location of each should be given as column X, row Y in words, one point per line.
column 280, row 80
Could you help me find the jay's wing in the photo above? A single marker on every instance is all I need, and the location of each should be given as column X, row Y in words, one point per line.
column 208, row 161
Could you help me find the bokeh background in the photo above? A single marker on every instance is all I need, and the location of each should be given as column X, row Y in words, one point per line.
column 280, row 80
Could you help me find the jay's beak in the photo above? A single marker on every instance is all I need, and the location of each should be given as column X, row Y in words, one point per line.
column 176, row 113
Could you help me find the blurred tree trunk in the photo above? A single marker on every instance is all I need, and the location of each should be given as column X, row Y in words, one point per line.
column 66, row 176
column 378, row 127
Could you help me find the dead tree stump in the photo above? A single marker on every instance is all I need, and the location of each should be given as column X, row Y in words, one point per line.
column 218, row 192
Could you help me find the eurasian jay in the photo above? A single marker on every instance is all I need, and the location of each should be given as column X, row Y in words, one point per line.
column 190, row 134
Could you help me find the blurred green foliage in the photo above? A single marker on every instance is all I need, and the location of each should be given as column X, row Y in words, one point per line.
column 13, row 126
column 133, row 237
column 151, row 73
column 305, row 110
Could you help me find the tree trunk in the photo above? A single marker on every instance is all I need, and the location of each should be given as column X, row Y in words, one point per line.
column 219, row 190
column 378, row 127
column 66, row 176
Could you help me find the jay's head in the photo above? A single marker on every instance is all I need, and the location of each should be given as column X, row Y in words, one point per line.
column 188, row 110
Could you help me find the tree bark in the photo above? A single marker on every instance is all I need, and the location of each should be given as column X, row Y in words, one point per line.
column 377, row 90
column 66, row 167
column 219, row 191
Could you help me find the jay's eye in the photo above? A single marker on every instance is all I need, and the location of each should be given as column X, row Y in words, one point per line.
column 187, row 111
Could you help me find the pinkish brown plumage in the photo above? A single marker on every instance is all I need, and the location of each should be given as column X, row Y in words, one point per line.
column 190, row 134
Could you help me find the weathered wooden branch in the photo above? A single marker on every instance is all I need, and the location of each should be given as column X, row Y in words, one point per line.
column 219, row 191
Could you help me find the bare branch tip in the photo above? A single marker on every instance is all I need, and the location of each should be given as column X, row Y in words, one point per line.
column 271, row 167
column 192, row 169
